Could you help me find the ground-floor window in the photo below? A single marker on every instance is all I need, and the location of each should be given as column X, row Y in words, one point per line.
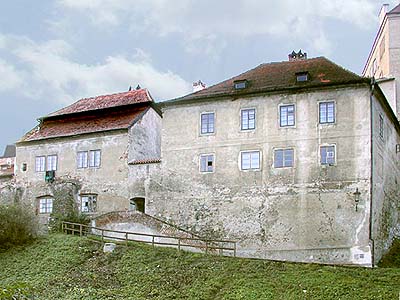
column 88, row 203
column 45, row 205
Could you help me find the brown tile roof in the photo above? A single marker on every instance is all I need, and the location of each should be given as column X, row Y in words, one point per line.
column 279, row 76
column 105, row 101
column 395, row 10
column 87, row 123
column 145, row 161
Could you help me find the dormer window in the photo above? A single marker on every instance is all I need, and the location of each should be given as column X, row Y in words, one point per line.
column 302, row 76
column 240, row 84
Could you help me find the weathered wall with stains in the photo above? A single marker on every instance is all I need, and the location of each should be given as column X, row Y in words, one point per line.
column 386, row 182
column 303, row 213
column 109, row 181
column 145, row 137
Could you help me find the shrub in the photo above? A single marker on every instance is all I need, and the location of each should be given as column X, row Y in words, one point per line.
column 56, row 220
column 18, row 225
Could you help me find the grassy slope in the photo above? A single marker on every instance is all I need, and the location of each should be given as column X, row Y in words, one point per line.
column 67, row 267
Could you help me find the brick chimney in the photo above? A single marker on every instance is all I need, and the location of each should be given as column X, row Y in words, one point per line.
column 198, row 86
column 382, row 13
column 297, row 56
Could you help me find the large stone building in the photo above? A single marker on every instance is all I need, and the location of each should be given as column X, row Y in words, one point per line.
column 296, row 160
column 98, row 151
column 383, row 62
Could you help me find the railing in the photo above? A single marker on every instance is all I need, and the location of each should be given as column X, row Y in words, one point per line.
column 208, row 245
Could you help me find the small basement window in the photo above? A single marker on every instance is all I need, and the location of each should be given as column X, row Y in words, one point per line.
column 240, row 84
column 302, row 76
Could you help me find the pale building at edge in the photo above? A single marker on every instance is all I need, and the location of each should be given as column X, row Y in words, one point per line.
column 295, row 160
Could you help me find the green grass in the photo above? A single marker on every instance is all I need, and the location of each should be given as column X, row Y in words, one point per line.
column 68, row 267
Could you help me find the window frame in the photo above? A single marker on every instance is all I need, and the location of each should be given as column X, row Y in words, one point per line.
column 241, row 118
column 48, row 163
column 48, row 209
column 206, row 155
column 326, row 102
column 42, row 167
column 201, row 123
column 287, row 115
column 94, row 165
column 250, row 169
column 85, row 162
column 334, row 153
column 92, row 210
column 284, row 166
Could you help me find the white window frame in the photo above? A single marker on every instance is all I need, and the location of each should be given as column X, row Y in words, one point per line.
column 51, row 161
column 95, row 158
column 45, row 205
column 82, row 159
column 40, row 163
column 334, row 155
column 241, row 119
column 294, row 115
column 326, row 102
column 201, row 123
column 283, row 162
column 206, row 171
column 250, row 152
column 91, row 206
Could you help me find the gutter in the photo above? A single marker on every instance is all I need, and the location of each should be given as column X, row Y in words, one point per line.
column 371, row 187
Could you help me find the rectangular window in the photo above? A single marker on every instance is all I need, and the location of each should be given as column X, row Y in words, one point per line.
column 207, row 123
column 381, row 127
column 40, row 163
column 51, row 162
column 250, row 160
column 82, row 159
column 94, row 158
column 45, row 205
column 207, row 163
column 286, row 115
column 89, row 203
column 328, row 156
column 327, row 112
column 248, row 119
column 283, row 158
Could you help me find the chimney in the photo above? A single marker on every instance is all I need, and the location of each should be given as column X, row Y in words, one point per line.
column 297, row 56
column 382, row 13
column 198, row 86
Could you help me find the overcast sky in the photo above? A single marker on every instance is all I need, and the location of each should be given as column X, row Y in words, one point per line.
column 53, row 53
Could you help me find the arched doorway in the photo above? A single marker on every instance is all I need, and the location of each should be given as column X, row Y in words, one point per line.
column 137, row 203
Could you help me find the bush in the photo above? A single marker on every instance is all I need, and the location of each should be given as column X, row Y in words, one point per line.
column 18, row 225
column 56, row 220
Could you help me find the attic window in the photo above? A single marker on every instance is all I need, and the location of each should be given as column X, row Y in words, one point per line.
column 240, row 84
column 302, row 77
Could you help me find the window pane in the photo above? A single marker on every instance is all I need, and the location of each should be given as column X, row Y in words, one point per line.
column 288, row 157
column 40, row 163
column 327, row 112
column 203, row 164
column 248, row 119
column 287, row 115
column 327, row 155
column 245, row 160
column 207, row 123
column 255, row 160
column 51, row 162
column 278, row 158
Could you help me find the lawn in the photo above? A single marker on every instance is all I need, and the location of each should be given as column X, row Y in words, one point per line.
column 68, row 267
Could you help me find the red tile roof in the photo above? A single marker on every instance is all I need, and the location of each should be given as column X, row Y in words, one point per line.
column 145, row 161
column 88, row 123
column 279, row 76
column 105, row 101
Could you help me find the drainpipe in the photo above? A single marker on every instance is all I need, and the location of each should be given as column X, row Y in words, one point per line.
column 372, row 172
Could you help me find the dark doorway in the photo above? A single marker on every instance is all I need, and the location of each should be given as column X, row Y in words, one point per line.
column 137, row 204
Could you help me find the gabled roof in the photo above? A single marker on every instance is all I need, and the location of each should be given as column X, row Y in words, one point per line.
column 279, row 76
column 105, row 101
column 83, row 124
column 395, row 10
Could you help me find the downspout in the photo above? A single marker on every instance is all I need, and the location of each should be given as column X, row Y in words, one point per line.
column 372, row 172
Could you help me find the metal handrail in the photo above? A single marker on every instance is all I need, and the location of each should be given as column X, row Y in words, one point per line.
column 210, row 244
